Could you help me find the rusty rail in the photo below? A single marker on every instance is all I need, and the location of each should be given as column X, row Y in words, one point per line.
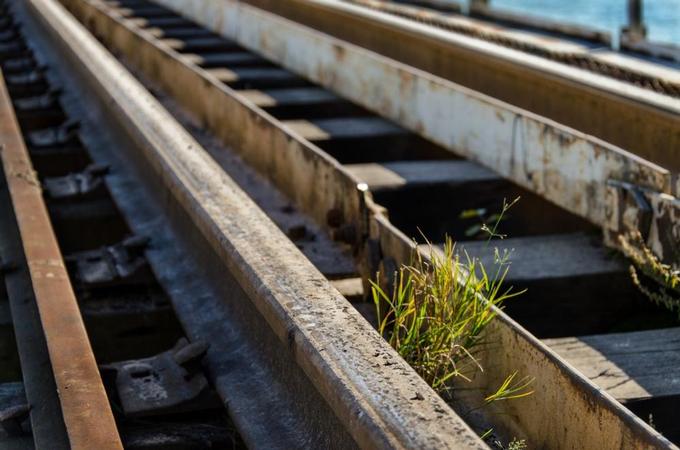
column 85, row 406
column 295, row 305
column 277, row 150
column 556, row 162
column 326, row 348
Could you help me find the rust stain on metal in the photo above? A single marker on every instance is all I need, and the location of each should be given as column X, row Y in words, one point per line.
column 266, row 154
column 85, row 406
column 351, row 385
column 425, row 104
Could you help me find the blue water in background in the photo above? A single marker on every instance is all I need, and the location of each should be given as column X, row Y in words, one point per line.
column 662, row 17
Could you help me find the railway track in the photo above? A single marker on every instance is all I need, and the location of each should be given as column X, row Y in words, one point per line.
column 295, row 366
column 291, row 374
column 94, row 295
column 498, row 63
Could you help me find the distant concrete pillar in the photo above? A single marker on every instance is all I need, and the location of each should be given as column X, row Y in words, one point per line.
column 636, row 28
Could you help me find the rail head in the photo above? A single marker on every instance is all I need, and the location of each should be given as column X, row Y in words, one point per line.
column 85, row 406
column 378, row 398
column 506, row 16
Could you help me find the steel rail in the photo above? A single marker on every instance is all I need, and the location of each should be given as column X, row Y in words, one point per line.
column 643, row 122
column 556, row 162
column 85, row 407
column 315, row 328
column 591, row 416
column 489, row 31
column 633, row 70
column 47, row 424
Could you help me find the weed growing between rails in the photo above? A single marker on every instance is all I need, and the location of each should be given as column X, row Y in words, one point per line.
column 437, row 310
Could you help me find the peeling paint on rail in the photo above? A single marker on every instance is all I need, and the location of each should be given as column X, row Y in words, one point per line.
column 563, row 165
column 644, row 122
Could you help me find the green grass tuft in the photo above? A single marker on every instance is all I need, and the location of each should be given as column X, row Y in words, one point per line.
column 437, row 312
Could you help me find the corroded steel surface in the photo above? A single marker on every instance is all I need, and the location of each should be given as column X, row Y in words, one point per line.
column 554, row 49
column 639, row 120
column 85, row 406
column 589, row 417
column 655, row 215
column 593, row 416
column 376, row 396
column 561, row 164
column 290, row 161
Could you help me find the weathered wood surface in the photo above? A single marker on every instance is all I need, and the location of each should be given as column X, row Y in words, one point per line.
column 392, row 175
column 628, row 366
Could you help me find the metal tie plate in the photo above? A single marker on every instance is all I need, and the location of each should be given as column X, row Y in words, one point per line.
column 169, row 382
column 120, row 264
